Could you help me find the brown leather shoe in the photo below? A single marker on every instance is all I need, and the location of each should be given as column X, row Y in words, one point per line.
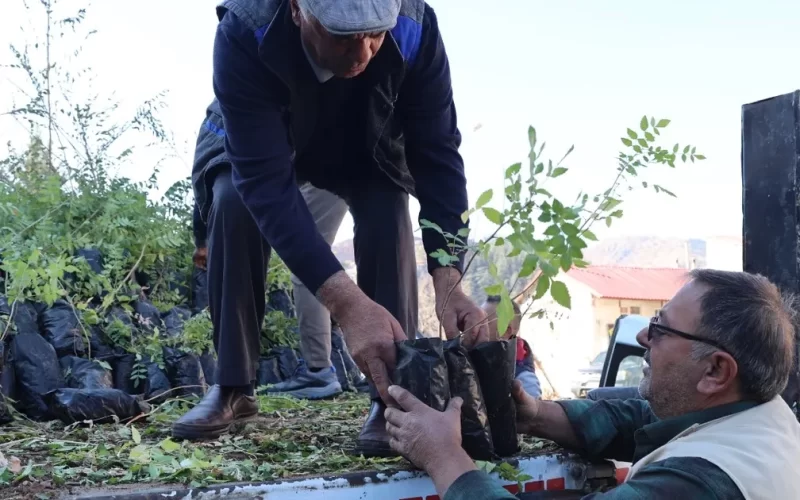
column 373, row 441
column 213, row 416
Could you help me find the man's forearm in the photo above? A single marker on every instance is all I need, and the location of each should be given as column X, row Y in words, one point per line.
column 552, row 423
column 338, row 294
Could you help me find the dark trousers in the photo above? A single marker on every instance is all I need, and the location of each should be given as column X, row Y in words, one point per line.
column 238, row 258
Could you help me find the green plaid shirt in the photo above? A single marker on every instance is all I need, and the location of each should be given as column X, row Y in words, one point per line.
column 628, row 431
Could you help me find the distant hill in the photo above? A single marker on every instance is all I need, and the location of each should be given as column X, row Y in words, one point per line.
column 635, row 251
column 647, row 251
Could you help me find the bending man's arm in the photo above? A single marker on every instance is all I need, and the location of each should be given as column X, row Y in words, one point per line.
column 257, row 144
column 428, row 114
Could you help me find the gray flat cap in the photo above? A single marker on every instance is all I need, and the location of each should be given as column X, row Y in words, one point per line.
column 350, row 17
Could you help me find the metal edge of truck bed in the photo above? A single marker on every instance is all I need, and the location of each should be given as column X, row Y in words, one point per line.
column 556, row 472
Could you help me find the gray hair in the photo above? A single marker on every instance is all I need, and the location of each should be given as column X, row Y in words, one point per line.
column 755, row 322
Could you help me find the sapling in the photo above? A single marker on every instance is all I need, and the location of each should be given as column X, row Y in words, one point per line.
column 548, row 233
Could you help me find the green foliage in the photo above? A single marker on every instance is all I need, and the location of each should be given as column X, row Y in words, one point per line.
column 196, row 336
column 546, row 234
column 278, row 330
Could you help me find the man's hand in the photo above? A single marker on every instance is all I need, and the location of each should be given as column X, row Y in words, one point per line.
column 527, row 409
column 370, row 331
column 428, row 438
column 457, row 312
column 200, row 256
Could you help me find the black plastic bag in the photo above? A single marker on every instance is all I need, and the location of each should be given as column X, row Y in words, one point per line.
column 494, row 363
column 122, row 374
column 174, row 320
column 37, row 372
column 26, row 318
column 5, row 411
column 184, row 371
column 5, row 307
column 97, row 405
column 287, row 360
column 158, row 385
column 422, row 370
column 178, row 282
column 208, row 361
column 98, row 347
column 279, row 300
column 268, row 371
column 8, row 380
column 81, row 373
column 147, row 316
column 476, row 435
column 93, row 257
column 199, row 290
column 60, row 327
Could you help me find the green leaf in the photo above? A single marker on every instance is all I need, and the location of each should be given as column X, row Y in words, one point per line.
column 532, row 137
column 548, row 268
column 528, row 265
column 169, row 446
column 513, row 170
column 662, row 123
column 463, row 232
column 570, row 229
column 675, row 149
column 643, row 124
column 137, row 438
column 552, row 230
column 650, row 137
column 566, row 262
column 484, row 198
column 627, row 142
column 493, row 215
column 632, row 134
column 589, row 235
column 542, row 285
column 700, row 157
column 465, row 216
column 495, row 289
column 559, row 171
column 426, row 224
column 545, row 217
column 670, row 193
column 505, row 312
column 560, row 294
column 558, row 207
column 686, row 149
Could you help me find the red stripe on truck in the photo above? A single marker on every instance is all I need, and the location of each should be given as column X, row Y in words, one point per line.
column 556, row 484
column 534, row 486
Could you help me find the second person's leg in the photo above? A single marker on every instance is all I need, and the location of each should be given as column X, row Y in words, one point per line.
column 387, row 273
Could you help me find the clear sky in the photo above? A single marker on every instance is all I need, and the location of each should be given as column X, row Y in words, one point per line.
column 580, row 71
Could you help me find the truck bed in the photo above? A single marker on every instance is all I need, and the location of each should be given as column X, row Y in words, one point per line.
column 292, row 448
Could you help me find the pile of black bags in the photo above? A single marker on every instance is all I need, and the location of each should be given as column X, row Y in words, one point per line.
column 434, row 371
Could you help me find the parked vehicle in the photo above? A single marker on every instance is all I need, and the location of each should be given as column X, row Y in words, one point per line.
column 629, row 371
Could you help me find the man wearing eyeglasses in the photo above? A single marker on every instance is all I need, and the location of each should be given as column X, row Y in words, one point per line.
column 712, row 424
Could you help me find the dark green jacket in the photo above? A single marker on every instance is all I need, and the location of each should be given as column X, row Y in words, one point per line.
column 628, row 431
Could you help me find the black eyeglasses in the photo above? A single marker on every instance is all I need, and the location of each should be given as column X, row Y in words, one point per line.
column 657, row 329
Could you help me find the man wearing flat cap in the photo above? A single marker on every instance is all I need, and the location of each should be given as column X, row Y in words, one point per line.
column 354, row 98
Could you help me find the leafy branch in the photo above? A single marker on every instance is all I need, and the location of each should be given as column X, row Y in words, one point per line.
column 546, row 232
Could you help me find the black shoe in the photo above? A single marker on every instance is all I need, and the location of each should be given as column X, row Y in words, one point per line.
column 213, row 416
column 373, row 441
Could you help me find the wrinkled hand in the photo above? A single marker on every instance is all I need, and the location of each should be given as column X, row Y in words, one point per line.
column 370, row 332
column 200, row 256
column 424, row 436
column 527, row 408
column 458, row 313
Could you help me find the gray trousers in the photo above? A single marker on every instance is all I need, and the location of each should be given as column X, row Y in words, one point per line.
column 237, row 270
column 313, row 318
